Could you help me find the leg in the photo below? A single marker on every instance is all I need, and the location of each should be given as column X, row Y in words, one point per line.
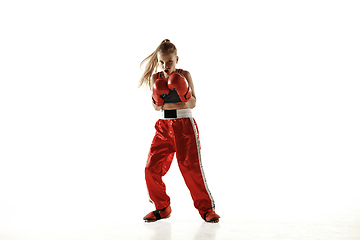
column 155, row 169
column 159, row 160
column 189, row 160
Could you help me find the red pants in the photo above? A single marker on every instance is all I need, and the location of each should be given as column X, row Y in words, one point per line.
column 178, row 135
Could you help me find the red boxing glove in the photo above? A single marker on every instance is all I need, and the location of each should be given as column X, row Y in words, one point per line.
column 160, row 87
column 178, row 82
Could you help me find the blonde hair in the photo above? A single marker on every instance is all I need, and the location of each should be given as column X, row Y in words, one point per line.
column 152, row 61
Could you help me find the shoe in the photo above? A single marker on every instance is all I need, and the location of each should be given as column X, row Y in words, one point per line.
column 158, row 214
column 210, row 216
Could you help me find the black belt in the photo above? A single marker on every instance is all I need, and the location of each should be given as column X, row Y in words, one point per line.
column 170, row 114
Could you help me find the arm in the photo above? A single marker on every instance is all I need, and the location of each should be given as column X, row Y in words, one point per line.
column 192, row 102
column 153, row 79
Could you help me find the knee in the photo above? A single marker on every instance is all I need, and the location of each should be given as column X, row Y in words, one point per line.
column 152, row 169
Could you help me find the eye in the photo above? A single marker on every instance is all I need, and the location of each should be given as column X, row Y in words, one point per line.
column 170, row 61
column 161, row 62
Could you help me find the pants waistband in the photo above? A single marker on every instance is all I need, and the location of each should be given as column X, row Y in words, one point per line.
column 177, row 113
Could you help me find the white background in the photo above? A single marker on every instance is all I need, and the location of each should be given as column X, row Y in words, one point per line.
column 277, row 85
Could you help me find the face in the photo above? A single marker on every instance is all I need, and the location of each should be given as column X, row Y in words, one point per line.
column 167, row 62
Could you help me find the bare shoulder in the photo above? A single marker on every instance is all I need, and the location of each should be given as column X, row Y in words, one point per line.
column 186, row 74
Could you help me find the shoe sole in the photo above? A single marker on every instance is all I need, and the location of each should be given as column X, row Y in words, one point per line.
column 213, row 219
column 154, row 220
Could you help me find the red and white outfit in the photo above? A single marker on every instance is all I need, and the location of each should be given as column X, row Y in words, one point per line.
column 177, row 132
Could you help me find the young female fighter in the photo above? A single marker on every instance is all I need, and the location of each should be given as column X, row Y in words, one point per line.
column 173, row 93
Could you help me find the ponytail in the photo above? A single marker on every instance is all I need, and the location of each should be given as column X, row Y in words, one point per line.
column 152, row 61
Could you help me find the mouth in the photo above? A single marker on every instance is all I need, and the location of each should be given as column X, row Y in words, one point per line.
column 167, row 71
